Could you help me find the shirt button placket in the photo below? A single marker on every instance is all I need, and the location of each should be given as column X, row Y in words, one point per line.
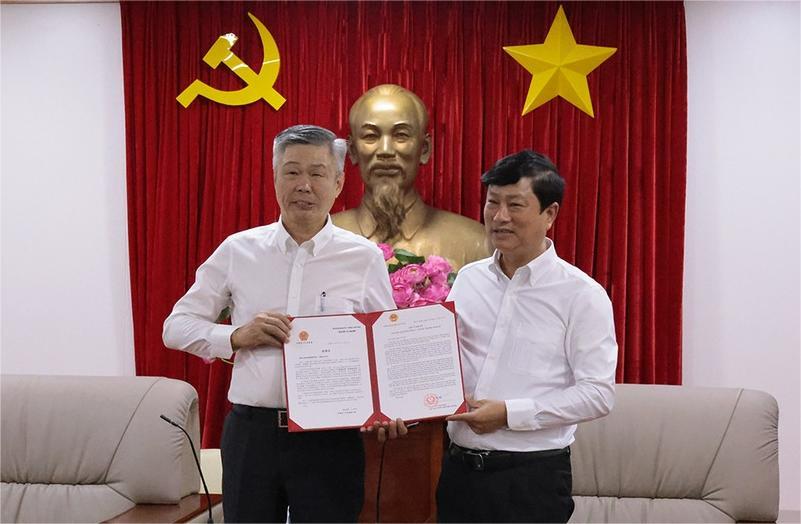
column 499, row 338
column 295, row 281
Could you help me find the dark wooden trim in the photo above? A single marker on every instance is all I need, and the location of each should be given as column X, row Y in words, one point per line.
column 188, row 508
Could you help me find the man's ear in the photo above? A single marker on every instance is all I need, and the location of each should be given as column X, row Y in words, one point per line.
column 340, row 183
column 425, row 153
column 354, row 158
column 552, row 211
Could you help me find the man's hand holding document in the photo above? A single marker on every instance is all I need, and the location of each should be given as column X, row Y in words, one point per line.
column 347, row 371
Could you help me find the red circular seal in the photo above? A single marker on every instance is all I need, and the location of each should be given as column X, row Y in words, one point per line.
column 431, row 400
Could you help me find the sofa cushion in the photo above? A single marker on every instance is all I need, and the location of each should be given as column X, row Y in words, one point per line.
column 61, row 502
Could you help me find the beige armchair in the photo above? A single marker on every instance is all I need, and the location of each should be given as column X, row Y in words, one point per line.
column 679, row 454
column 89, row 449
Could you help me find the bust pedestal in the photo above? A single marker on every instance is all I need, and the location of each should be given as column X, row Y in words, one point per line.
column 411, row 472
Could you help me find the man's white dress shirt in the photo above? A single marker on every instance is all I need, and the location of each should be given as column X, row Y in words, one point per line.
column 543, row 342
column 264, row 269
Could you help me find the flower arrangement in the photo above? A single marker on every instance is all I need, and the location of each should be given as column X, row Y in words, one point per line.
column 417, row 280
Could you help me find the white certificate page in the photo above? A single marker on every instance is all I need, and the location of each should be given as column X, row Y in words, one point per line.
column 328, row 372
column 417, row 359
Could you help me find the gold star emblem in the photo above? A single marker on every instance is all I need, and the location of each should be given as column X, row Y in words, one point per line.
column 559, row 66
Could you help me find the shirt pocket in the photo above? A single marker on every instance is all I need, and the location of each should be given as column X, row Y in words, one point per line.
column 334, row 305
column 535, row 356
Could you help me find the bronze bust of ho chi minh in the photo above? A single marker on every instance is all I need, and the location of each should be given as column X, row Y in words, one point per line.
column 389, row 143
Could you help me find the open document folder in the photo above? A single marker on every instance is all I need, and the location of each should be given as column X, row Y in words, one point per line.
column 348, row 371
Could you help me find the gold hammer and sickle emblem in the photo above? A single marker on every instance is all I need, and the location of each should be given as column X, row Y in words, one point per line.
column 258, row 85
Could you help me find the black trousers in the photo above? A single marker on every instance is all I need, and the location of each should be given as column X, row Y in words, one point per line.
column 318, row 475
column 522, row 490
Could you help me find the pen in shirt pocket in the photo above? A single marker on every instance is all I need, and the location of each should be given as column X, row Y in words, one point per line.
column 322, row 302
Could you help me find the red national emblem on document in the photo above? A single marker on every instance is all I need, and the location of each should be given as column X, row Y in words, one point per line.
column 431, row 400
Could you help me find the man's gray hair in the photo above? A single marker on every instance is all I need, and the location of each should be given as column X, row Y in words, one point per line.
column 313, row 136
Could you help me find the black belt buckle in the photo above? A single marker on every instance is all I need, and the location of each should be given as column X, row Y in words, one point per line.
column 475, row 459
column 283, row 419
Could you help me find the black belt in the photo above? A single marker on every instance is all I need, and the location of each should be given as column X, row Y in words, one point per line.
column 483, row 460
column 270, row 414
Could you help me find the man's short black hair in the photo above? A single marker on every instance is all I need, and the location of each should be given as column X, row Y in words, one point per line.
column 546, row 182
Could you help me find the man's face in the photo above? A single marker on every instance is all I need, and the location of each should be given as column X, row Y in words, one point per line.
column 387, row 141
column 306, row 184
column 514, row 221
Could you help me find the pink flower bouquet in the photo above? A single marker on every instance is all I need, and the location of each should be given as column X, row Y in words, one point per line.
column 416, row 280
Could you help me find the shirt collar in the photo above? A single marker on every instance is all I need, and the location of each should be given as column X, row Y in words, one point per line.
column 536, row 268
column 285, row 242
column 415, row 218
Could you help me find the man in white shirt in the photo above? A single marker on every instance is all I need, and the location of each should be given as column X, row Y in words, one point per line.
column 300, row 265
column 538, row 353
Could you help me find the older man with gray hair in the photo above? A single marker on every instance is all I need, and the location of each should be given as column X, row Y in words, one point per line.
column 300, row 265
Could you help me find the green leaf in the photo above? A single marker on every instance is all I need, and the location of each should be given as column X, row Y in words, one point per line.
column 224, row 315
column 394, row 267
column 451, row 279
column 407, row 257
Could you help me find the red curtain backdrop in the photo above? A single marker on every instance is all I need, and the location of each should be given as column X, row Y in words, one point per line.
column 196, row 175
